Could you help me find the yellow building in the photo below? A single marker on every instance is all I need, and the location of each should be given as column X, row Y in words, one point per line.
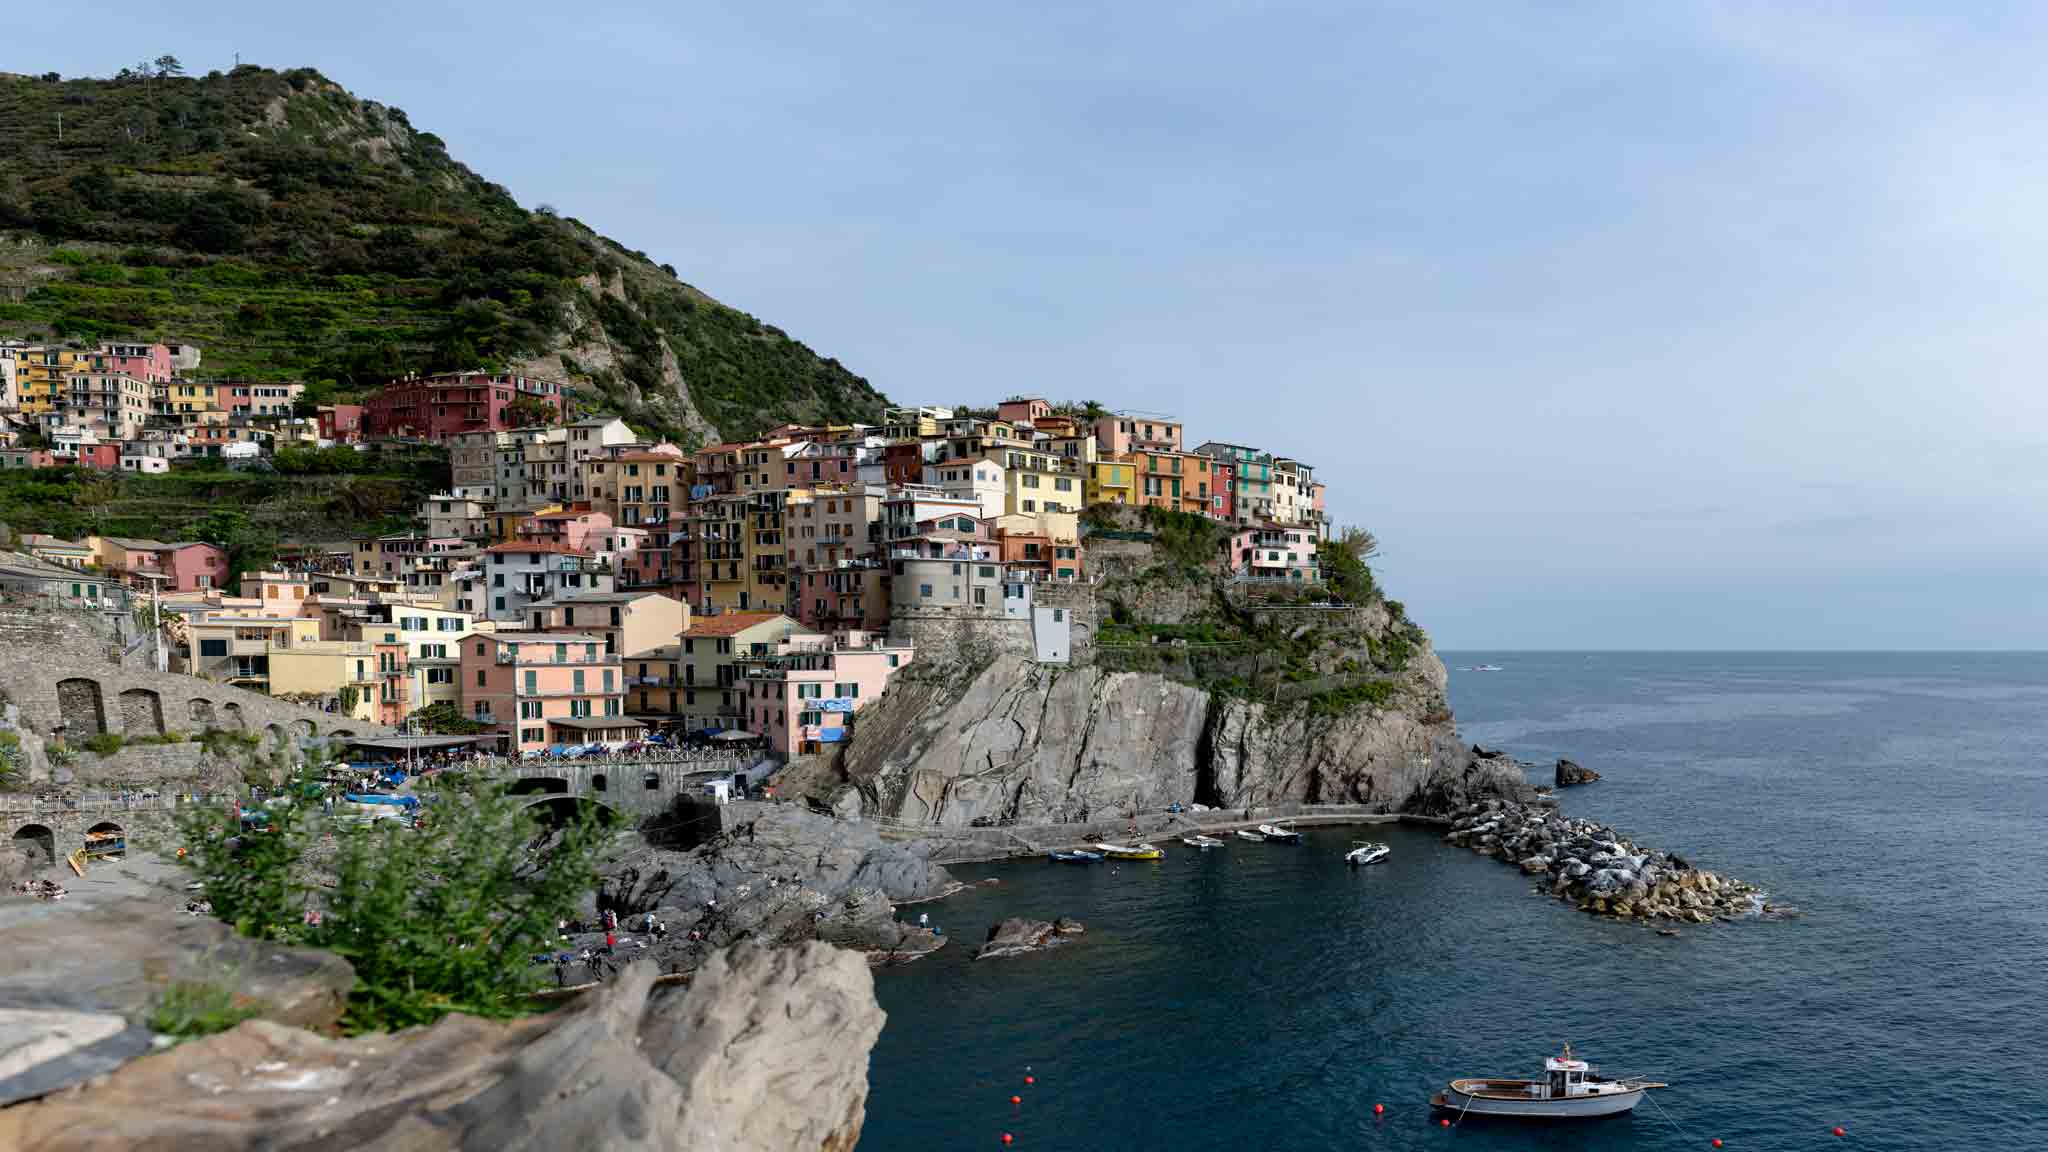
column 709, row 664
column 722, row 533
column 191, row 403
column 328, row 669
column 1112, row 481
column 40, row 374
column 235, row 646
column 1036, row 483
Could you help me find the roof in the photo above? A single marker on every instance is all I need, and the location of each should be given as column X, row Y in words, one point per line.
column 540, row 637
column 729, row 624
column 39, row 540
column 649, row 458
column 138, row 545
column 593, row 598
column 591, row 723
column 539, row 546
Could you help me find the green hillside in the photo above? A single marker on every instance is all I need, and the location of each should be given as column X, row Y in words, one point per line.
column 294, row 231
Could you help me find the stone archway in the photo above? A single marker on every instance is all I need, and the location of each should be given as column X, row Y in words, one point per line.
column 276, row 734
column 105, row 839
column 231, row 715
column 597, row 782
column 79, row 703
column 38, row 843
column 544, row 785
column 142, row 713
column 342, row 733
column 303, row 729
column 201, row 710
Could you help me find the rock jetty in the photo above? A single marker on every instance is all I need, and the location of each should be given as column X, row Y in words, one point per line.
column 1590, row 865
column 1569, row 773
column 1017, row 935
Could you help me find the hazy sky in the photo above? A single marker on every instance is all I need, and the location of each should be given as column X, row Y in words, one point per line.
column 1629, row 325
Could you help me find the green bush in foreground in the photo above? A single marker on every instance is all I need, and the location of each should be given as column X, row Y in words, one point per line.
column 439, row 919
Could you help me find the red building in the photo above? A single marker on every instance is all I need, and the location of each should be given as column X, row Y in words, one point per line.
column 341, row 423
column 437, row 407
column 104, row 457
column 1223, row 491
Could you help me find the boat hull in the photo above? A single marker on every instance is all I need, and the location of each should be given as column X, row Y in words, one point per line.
column 1534, row 1108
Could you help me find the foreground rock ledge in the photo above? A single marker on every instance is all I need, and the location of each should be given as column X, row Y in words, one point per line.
column 768, row 1049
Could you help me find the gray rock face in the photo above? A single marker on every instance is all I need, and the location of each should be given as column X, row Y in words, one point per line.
column 1023, row 743
column 766, row 1052
column 1017, row 935
column 1569, row 773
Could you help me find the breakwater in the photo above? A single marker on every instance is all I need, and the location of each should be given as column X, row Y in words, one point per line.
column 1597, row 869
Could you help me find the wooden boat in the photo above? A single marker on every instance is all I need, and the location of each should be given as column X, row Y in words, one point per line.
column 1127, row 852
column 1279, row 835
column 1570, row 1090
column 1203, row 842
column 1248, row 834
column 1365, row 852
column 1077, row 856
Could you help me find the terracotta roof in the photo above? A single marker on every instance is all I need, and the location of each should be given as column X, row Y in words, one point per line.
column 729, row 624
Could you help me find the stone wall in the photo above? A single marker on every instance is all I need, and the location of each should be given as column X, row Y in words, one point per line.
column 40, row 827
column 971, row 636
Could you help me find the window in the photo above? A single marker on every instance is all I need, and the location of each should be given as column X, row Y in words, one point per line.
column 924, row 592
column 607, row 679
column 532, row 680
column 479, row 677
column 206, row 647
column 988, row 572
column 533, row 735
column 578, row 684
column 1059, row 615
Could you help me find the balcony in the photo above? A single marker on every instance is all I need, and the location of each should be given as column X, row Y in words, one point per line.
column 650, row 681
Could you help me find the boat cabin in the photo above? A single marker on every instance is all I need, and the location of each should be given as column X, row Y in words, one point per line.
column 1566, row 1076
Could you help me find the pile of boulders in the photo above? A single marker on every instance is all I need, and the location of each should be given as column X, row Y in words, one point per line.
column 1019, row 934
column 1588, row 864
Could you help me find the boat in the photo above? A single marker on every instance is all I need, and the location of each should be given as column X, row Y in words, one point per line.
column 1203, row 842
column 1366, row 852
column 1488, row 668
column 1248, row 834
column 1127, row 852
column 1077, row 856
column 1279, row 835
column 1570, row 1090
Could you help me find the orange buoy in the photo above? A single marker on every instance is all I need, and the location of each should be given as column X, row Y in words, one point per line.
column 1839, row 1132
column 1379, row 1109
column 1016, row 1099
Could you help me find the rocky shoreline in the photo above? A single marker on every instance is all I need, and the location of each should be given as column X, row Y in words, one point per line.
column 1589, row 865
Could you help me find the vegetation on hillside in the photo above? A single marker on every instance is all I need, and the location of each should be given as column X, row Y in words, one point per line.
column 294, row 231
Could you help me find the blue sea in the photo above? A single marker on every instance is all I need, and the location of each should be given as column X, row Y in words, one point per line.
column 1263, row 996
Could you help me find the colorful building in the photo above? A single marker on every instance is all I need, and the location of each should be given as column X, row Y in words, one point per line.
column 537, row 689
column 708, row 665
column 805, row 695
column 457, row 403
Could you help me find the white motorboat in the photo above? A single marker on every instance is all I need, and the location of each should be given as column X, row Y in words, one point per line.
column 1248, row 834
column 1366, row 852
column 1570, row 1090
column 1202, row 842
column 1279, row 835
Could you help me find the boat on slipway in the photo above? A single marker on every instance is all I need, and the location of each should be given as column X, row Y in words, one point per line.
column 1365, row 852
column 1076, row 856
column 1203, row 842
column 1249, row 834
column 1278, row 835
column 1570, row 1090
column 1130, row 852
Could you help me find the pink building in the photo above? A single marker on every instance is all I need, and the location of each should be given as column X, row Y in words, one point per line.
column 146, row 362
column 853, row 594
column 341, row 423
column 569, row 529
column 543, row 688
column 805, row 695
column 1023, row 409
column 190, row 567
column 1123, row 432
column 103, row 457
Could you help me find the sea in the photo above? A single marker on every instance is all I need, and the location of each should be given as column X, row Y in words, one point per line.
column 1267, row 997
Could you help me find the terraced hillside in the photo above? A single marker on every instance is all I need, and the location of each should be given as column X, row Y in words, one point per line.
column 295, row 231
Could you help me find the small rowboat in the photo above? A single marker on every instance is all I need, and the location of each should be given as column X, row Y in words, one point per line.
column 1077, row 856
column 1248, row 834
column 1570, row 1090
column 1202, row 842
column 1127, row 852
column 1366, row 852
column 1279, row 835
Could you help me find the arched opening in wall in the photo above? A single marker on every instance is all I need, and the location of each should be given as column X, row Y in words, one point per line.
column 303, row 729
column 540, row 786
column 105, row 839
column 231, row 715
column 687, row 822
column 276, row 734
column 556, row 811
column 142, row 713
column 201, row 710
column 342, row 733
column 80, row 707
column 597, row 782
column 36, row 844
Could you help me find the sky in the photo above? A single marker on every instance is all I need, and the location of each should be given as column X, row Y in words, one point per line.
column 1646, row 326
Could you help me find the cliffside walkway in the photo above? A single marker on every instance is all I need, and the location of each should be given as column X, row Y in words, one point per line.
column 965, row 845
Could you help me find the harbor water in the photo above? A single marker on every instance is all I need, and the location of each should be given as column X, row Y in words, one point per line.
column 1264, row 995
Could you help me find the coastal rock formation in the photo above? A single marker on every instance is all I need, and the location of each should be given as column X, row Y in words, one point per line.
column 787, row 876
column 1019, row 742
column 1018, row 935
column 1593, row 867
column 766, row 1052
column 1569, row 773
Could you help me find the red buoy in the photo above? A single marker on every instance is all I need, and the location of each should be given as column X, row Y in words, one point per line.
column 1031, row 1079
column 1445, row 1122
column 1016, row 1099
column 1839, row 1132
column 1006, row 1137
column 1717, row 1141
column 1379, row 1109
